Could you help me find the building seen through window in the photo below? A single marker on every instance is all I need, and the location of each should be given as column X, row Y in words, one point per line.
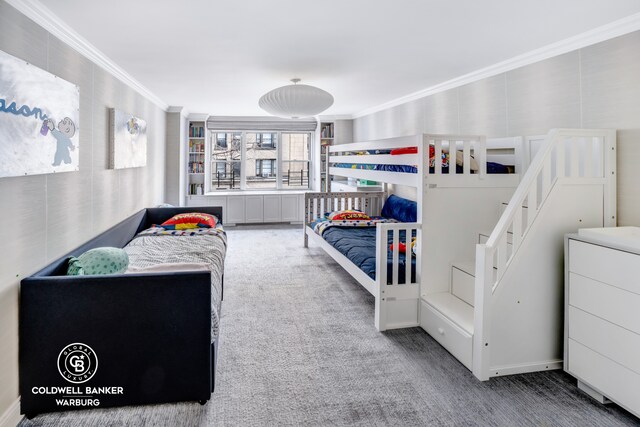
column 251, row 160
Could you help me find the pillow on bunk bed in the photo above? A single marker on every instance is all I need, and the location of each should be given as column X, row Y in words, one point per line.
column 400, row 209
column 404, row 150
column 348, row 215
column 190, row 220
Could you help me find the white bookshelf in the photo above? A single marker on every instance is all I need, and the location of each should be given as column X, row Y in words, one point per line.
column 196, row 157
column 327, row 139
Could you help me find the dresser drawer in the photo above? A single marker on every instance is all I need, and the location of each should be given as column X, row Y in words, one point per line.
column 617, row 268
column 607, row 302
column 608, row 377
column 616, row 343
column 455, row 340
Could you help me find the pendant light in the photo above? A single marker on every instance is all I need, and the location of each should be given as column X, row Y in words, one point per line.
column 296, row 101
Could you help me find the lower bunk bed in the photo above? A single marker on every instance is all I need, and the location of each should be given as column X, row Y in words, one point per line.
column 149, row 335
column 378, row 251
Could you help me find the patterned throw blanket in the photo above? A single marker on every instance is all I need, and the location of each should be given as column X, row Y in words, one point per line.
column 204, row 246
column 323, row 224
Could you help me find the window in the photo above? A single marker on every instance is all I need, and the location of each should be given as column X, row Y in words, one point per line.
column 260, row 160
column 296, row 149
column 259, row 147
column 226, row 161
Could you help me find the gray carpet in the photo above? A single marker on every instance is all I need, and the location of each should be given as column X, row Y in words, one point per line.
column 298, row 347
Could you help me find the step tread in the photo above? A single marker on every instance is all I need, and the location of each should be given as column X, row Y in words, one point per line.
column 468, row 267
column 453, row 308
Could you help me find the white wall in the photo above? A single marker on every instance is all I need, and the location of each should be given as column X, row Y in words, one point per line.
column 46, row 216
column 594, row 87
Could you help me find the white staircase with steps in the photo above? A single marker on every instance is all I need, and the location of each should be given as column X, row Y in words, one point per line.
column 501, row 313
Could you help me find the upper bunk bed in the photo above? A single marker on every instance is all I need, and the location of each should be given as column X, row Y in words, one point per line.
column 404, row 160
column 484, row 170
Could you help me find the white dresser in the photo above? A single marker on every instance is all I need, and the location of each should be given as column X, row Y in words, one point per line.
column 602, row 314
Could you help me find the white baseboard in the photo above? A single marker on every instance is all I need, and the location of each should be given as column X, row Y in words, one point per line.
column 499, row 371
column 11, row 416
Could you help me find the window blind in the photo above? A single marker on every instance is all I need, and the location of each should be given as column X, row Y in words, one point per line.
column 220, row 123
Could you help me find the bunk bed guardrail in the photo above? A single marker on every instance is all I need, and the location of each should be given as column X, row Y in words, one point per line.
column 359, row 154
column 316, row 204
column 471, row 146
column 565, row 154
column 396, row 304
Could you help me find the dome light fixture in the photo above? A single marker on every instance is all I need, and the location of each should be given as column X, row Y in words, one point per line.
column 296, row 101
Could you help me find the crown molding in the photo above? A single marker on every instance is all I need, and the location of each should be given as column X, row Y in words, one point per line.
column 184, row 113
column 198, row 117
column 331, row 117
column 48, row 20
column 609, row 31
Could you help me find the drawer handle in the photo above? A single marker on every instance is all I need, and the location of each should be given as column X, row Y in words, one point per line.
column 441, row 331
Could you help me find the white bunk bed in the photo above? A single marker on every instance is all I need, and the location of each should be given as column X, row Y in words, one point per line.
column 490, row 280
column 397, row 305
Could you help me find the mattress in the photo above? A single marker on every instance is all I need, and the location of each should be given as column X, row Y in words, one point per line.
column 205, row 246
column 358, row 244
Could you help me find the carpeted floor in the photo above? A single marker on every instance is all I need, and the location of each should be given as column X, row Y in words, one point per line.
column 299, row 347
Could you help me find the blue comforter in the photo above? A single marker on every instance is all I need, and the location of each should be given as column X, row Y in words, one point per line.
column 359, row 245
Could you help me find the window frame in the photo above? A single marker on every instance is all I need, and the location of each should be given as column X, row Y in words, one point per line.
column 277, row 162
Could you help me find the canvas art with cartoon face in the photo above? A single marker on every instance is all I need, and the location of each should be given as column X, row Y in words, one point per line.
column 67, row 127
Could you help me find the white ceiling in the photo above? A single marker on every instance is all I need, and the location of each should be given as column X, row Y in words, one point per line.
column 220, row 56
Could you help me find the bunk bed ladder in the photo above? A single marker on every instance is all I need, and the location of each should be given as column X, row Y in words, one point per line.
column 566, row 155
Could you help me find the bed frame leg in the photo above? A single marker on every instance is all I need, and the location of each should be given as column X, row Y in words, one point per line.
column 380, row 310
column 306, row 238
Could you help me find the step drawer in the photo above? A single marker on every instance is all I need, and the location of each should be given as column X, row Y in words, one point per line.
column 617, row 268
column 462, row 285
column 450, row 336
column 608, row 377
column 605, row 301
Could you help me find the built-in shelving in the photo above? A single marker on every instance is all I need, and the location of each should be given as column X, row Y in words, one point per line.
column 196, row 155
column 327, row 135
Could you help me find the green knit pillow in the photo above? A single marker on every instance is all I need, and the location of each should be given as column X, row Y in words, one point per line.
column 99, row 261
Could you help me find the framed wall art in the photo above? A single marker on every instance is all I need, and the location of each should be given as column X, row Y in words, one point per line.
column 128, row 140
column 39, row 120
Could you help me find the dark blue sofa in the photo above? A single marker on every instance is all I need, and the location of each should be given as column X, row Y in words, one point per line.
column 151, row 332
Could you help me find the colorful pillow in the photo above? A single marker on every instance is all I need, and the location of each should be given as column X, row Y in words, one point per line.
column 190, row 220
column 99, row 261
column 348, row 215
column 400, row 209
column 405, row 150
